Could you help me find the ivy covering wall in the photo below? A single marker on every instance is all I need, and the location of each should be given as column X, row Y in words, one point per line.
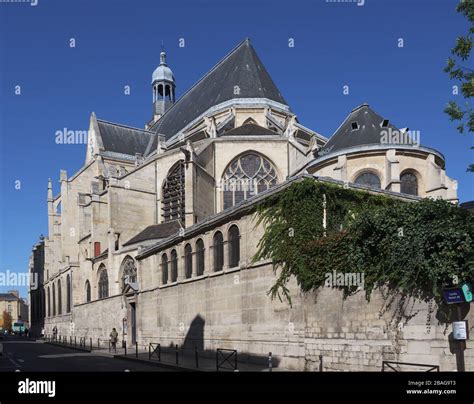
column 405, row 248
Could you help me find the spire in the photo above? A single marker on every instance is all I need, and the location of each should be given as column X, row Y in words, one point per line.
column 163, row 58
column 50, row 189
column 163, row 87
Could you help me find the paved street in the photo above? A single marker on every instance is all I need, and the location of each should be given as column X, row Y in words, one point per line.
column 26, row 355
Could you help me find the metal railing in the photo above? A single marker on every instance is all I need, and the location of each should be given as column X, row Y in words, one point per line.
column 226, row 359
column 395, row 366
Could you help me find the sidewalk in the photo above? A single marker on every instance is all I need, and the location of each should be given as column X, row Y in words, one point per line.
column 187, row 361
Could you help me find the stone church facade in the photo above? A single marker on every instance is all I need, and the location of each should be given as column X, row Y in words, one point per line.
column 155, row 234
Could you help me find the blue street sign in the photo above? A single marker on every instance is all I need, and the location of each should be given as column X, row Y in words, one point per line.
column 467, row 291
column 454, row 295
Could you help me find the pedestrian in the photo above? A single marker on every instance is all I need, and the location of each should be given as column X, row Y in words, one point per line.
column 55, row 333
column 113, row 339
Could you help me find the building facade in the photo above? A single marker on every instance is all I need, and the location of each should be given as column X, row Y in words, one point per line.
column 155, row 234
column 13, row 306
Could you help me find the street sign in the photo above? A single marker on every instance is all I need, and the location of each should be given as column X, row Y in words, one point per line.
column 467, row 291
column 459, row 330
column 454, row 295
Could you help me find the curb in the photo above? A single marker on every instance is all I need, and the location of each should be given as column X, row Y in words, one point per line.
column 159, row 364
column 69, row 347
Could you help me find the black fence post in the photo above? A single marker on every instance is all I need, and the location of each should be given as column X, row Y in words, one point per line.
column 270, row 364
column 176, row 353
column 75, row 342
column 149, row 352
column 197, row 357
column 320, row 363
column 91, row 343
column 125, row 346
column 98, row 344
column 136, row 349
column 217, row 360
column 159, row 352
column 235, row 361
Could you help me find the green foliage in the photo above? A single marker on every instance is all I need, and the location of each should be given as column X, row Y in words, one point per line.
column 456, row 69
column 412, row 249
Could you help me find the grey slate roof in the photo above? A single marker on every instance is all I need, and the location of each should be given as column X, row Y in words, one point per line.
column 8, row 297
column 156, row 231
column 241, row 67
column 369, row 132
column 250, row 129
column 124, row 139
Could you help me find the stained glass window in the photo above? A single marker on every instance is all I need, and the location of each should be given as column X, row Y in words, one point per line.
column 174, row 266
column 188, row 261
column 234, row 246
column 408, row 183
column 103, row 283
column 218, row 251
column 200, row 257
column 68, row 294
column 88, row 291
column 173, row 194
column 368, row 179
column 246, row 176
column 129, row 271
column 164, row 269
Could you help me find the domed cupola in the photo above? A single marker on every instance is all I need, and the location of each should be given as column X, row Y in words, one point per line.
column 163, row 88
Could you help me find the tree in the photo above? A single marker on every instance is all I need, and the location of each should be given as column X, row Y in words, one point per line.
column 7, row 320
column 456, row 69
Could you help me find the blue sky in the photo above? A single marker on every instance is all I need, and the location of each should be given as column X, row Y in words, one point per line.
column 118, row 44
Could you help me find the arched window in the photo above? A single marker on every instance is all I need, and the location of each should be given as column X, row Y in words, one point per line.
column 408, row 183
column 246, row 176
column 68, row 294
column 129, row 271
column 218, row 248
column 173, row 194
column 164, row 269
column 88, row 291
column 174, row 266
column 368, row 179
column 54, row 300
column 188, row 261
column 199, row 257
column 103, row 283
column 234, row 246
column 49, row 303
column 60, row 302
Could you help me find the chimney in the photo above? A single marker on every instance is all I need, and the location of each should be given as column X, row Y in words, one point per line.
column 14, row 292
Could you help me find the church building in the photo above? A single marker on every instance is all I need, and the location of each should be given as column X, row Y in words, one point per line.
column 155, row 234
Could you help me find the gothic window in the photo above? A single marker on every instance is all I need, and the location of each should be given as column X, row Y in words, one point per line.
column 88, row 291
column 54, row 300
column 49, row 303
column 164, row 269
column 188, row 261
column 103, row 283
column 129, row 271
column 174, row 266
column 234, row 246
column 245, row 176
column 368, row 179
column 200, row 257
column 218, row 248
column 173, row 194
column 60, row 306
column 408, row 183
column 68, row 294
